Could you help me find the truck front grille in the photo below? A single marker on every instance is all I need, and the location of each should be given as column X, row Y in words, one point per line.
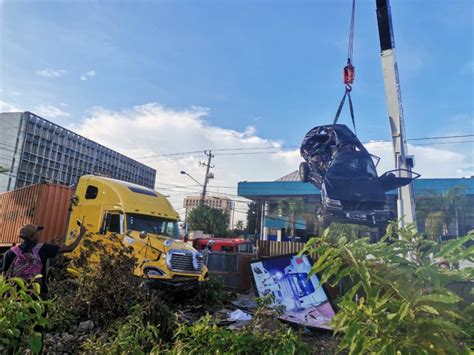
column 185, row 261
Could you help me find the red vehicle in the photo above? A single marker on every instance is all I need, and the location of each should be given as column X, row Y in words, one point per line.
column 224, row 244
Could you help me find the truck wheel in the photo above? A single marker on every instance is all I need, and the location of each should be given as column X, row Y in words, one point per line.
column 321, row 219
column 304, row 171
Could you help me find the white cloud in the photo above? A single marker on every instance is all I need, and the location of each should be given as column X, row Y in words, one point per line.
column 7, row 107
column 430, row 162
column 87, row 75
column 51, row 73
column 50, row 111
column 151, row 130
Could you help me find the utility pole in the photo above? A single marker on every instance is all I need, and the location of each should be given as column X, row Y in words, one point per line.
column 208, row 174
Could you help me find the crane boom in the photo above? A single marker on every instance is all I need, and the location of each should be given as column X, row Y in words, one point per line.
column 406, row 198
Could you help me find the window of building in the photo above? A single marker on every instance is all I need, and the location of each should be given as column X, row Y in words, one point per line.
column 91, row 192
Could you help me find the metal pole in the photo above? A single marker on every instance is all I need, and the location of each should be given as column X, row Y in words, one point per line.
column 232, row 205
column 186, row 221
column 206, row 180
column 406, row 200
column 262, row 221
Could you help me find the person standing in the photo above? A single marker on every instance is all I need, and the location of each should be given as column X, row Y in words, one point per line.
column 29, row 258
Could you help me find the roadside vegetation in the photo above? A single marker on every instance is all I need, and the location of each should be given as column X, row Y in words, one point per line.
column 404, row 294
column 104, row 309
column 401, row 296
column 209, row 220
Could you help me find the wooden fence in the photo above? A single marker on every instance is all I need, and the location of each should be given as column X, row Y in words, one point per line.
column 266, row 248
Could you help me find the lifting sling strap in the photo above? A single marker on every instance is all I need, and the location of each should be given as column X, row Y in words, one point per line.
column 348, row 74
column 347, row 93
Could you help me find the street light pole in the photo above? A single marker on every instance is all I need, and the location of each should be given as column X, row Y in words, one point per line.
column 207, row 177
column 185, row 173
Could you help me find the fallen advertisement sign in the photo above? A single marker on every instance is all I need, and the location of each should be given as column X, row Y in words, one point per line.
column 304, row 299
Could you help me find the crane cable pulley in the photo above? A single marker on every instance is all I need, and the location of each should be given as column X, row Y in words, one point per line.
column 348, row 74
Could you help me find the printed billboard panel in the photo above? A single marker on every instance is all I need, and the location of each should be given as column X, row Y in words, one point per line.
column 285, row 277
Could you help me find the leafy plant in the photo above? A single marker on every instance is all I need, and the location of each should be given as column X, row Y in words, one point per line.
column 60, row 316
column 134, row 336
column 400, row 299
column 205, row 337
column 252, row 217
column 209, row 220
column 21, row 313
column 292, row 209
column 437, row 211
column 210, row 295
column 106, row 292
column 434, row 225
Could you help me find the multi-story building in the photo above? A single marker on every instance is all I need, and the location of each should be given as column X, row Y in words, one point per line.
column 34, row 150
column 224, row 204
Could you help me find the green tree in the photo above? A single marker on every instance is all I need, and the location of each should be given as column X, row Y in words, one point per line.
column 434, row 223
column 239, row 225
column 209, row 220
column 450, row 206
column 252, row 216
column 292, row 209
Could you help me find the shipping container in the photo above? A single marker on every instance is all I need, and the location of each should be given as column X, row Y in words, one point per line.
column 41, row 204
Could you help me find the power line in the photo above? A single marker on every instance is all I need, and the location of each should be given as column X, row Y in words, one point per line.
column 290, row 146
column 440, row 137
column 440, row 143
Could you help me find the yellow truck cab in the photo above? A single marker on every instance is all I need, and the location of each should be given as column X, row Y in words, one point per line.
column 142, row 219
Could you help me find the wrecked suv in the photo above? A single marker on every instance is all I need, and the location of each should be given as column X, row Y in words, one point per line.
column 338, row 164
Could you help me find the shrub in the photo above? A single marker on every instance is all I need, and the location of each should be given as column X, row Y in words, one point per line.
column 102, row 292
column 134, row 336
column 400, row 299
column 205, row 337
column 264, row 335
column 209, row 295
column 21, row 313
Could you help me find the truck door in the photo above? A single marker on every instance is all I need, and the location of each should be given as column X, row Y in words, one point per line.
column 112, row 224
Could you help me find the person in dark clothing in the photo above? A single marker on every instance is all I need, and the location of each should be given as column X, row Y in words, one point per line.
column 29, row 234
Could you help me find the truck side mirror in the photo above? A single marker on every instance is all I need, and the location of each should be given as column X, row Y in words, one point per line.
column 143, row 234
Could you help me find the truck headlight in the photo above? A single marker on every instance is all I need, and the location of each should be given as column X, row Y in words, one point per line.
column 154, row 271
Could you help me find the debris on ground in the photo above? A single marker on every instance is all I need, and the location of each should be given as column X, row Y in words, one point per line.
column 239, row 315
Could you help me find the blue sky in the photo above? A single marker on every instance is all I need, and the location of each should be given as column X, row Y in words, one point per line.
column 275, row 65
column 154, row 77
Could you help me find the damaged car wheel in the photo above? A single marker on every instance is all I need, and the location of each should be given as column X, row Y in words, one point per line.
column 304, row 172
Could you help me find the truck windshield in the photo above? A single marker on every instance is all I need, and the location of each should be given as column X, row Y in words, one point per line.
column 151, row 224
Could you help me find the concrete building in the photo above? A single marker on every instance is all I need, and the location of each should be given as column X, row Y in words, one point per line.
column 33, row 150
column 269, row 194
column 221, row 203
